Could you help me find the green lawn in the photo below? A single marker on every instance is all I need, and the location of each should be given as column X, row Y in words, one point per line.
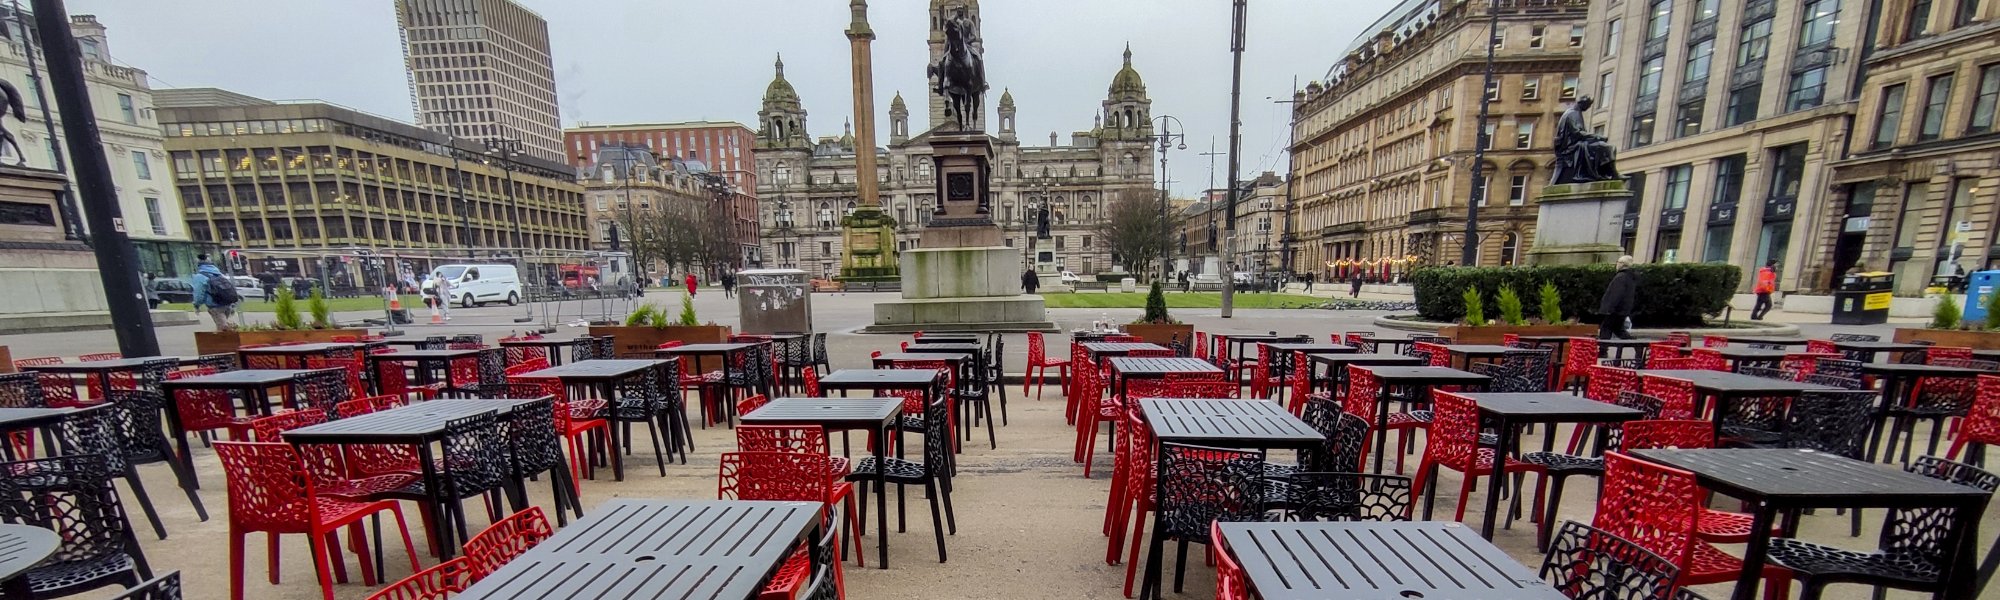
column 258, row 305
column 1178, row 300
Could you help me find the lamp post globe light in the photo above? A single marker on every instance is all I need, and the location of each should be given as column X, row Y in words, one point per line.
column 1168, row 140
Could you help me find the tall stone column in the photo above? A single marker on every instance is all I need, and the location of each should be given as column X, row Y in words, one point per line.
column 868, row 235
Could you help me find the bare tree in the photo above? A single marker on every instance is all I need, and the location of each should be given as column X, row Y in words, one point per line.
column 1137, row 232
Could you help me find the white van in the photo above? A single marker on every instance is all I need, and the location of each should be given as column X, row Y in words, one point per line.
column 471, row 285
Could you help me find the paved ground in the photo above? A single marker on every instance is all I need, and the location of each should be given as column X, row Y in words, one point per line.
column 1028, row 523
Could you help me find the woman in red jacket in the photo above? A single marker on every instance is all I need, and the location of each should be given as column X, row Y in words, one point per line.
column 1767, row 284
column 690, row 283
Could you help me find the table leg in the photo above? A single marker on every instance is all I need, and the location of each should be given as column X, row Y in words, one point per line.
column 617, row 459
column 1382, row 429
column 440, row 517
column 1506, row 442
column 1891, row 392
column 375, row 375
column 1753, row 555
column 882, row 487
column 1149, row 588
column 186, row 459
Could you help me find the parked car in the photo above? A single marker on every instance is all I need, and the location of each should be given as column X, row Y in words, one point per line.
column 173, row 290
column 247, row 286
column 1068, row 278
column 477, row 284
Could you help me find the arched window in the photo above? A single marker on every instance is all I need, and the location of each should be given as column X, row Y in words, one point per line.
column 1509, row 247
column 850, row 207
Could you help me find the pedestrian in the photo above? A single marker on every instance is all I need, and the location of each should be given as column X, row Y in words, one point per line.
column 691, row 283
column 1767, row 284
column 1619, row 297
column 152, row 295
column 1309, row 283
column 270, row 283
column 215, row 293
column 1029, row 282
column 728, row 284
column 1354, row 287
column 1187, row 282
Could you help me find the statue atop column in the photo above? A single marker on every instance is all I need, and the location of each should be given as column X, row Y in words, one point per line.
column 1582, row 157
column 960, row 74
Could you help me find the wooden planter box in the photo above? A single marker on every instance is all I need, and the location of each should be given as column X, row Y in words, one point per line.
column 218, row 342
column 1162, row 334
column 1491, row 334
column 639, row 342
column 1977, row 340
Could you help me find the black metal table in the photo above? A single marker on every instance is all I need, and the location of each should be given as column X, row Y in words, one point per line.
column 1463, row 355
column 977, row 351
column 877, row 415
column 1336, row 366
column 1311, row 348
column 1616, row 348
column 1786, row 342
column 418, row 425
column 17, row 419
column 1221, row 423
column 252, row 385
column 1415, row 378
column 551, row 348
column 1789, row 481
column 1100, row 352
column 1715, row 387
column 295, row 355
column 1506, row 412
column 603, row 375
column 1740, row 357
column 1899, row 382
column 1396, row 345
column 1866, row 351
column 99, row 370
column 725, row 352
column 684, row 549
column 1235, row 343
column 956, row 359
column 429, row 363
column 21, row 548
column 947, row 338
column 1378, row 561
column 1993, row 355
column 1124, row 368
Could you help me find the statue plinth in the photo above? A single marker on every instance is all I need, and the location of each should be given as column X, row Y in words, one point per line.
column 963, row 217
column 1580, row 223
column 869, row 238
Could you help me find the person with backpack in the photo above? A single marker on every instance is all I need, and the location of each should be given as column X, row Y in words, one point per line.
column 215, row 293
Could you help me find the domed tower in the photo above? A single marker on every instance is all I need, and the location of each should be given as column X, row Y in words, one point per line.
column 1007, row 115
column 941, row 12
column 1128, row 113
column 899, row 121
column 781, row 123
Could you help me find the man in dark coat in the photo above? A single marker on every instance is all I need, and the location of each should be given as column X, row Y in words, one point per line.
column 1619, row 298
column 1029, row 282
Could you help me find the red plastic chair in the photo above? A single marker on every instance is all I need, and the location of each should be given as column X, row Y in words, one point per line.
column 1679, row 338
column 94, row 384
column 1301, row 383
column 1658, row 508
column 1439, row 357
column 1262, row 381
column 1453, row 444
column 352, row 367
column 1941, row 353
column 1678, row 393
column 1201, row 345
column 261, row 361
column 1138, row 497
column 505, row 540
column 811, row 378
column 271, row 490
column 352, row 471
column 1578, row 360
column 58, row 389
column 809, row 440
column 1821, row 347
column 1981, row 424
column 1714, row 341
column 203, row 411
column 1663, row 355
column 752, row 403
column 1510, row 339
column 1039, row 364
column 435, row 583
column 1708, row 359
column 1230, row 582
column 780, row 476
column 1364, row 397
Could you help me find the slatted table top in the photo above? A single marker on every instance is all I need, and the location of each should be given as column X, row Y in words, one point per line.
column 1312, row 348
column 13, row 419
column 1378, row 561
column 832, row 412
column 947, row 338
column 414, row 422
column 101, row 366
column 1631, row 343
column 1822, row 479
column 297, row 349
column 699, row 349
column 543, row 342
column 1733, row 383
column 1769, row 341
column 1986, row 354
column 237, row 378
column 1742, row 353
column 907, row 356
column 1558, row 339
column 1227, row 422
column 1478, row 349
column 24, row 546
column 1546, row 407
column 1403, row 375
column 1159, row 367
column 657, row 549
column 1120, row 347
column 946, row 347
column 879, row 378
column 1376, row 358
column 1861, row 346
column 1921, row 370
column 424, row 354
column 599, row 368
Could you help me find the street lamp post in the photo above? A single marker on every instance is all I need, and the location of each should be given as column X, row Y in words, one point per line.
column 502, row 152
column 1239, row 25
column 1168, row 140
column 1469, row 255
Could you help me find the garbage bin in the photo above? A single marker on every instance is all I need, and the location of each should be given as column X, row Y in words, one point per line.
column 1977, row 289
column 1863, row 299
column 774, row 300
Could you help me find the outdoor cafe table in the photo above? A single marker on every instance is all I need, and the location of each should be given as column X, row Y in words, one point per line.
column 1867, row 350
column 252, row 385
column 429, row 362
column 877, row 415
column 682, row 549
column 883, row 380
column 1986, row 354
column 1124, row 368
column 19, row 419
column 1236, row 342
column 21, row 548
column 294, row 356
column 694, row 352
column 1378, row 561
column 604, row 375
column 1285, row 350
column 551, row 348
column 1506, row 412
column 1768, row 341
column 1712, row 388
column 1220, row 423
column 1899, row 383
column 1463, row 355
column 1774, row 481
column 947, row 338
column 1740, row 357
column 977, row 351
column 1396, row 345
column 1419, row 380
column 100, row 370
column 1102, row 351
column 421, row 425
column 1615, row 348
column 1336, row 372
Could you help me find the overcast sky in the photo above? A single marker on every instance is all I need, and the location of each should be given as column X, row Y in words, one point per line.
column 675, row 60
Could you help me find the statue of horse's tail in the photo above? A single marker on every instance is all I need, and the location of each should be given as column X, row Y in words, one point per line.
column 14, row 100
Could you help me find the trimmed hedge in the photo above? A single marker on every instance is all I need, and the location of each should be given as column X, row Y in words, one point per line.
column 1670, row 295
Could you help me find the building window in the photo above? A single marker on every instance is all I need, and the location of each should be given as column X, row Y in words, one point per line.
column 1569, row 87
column 1697, row 61
column 1657, row 17
column 1679, row 178
column 1742, row 105
column 1479, row 188
column 1728, row 180
column 1649, row 76
column 1524, row 135
column 1086, row 242
column 1604, row 83
column 1060, row 243
column 126, row 111
column 1920, row 18
column 1510, row 247
column 159, row 221
column 1716, row 248
column 1687, row 121
column 1499, row 38
column 1576, row 36
column 1517, row 190
column 1704, row 9
column 1937, row 95
column 825, row 248
column 1981, row 120
column 1820, row 16
column 1756, row 43
column 1910, row 220
column 1956, row 219
column 1486, row 136
column 1531, row 89
column 1787, row 172
column 1668, row 249
column 1890, row 119
column 1613, row 32
column 1493, row 90
column 1807, row 90
column 1642, row 130
column 140, row 165
column 1967, row 9
column 1774, row 241
column 1535, row 36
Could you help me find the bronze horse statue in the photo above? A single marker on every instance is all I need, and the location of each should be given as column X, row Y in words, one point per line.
column 960, row 74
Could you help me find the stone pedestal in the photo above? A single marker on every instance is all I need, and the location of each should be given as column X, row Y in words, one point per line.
column 869, row 236
column 1579, row 223
column 48, row 283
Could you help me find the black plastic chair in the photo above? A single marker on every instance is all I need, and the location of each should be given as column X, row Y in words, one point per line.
column 933, row 472
column 225, row 361
column 1200, row 485
column 136, row 437
column 1834, row 381
column 21, row 390
column 164, row 587
column 491, row 367
column 1938, row 399
column 1558, row 467
column 465, row 341
column 582, row 349
column 1589, row 563
column 1521, row 370
column 1914, row 547
column 1836, row 423
column 474, row 463
column 435, row 342
column 1328, row 496
column 819, row 355
column 1346, row 438
column 643, row 399
column 607, row 347
column 794, row 355
column 536, row 447
column 996, row 371
column 72, row 495
column 323, row 389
